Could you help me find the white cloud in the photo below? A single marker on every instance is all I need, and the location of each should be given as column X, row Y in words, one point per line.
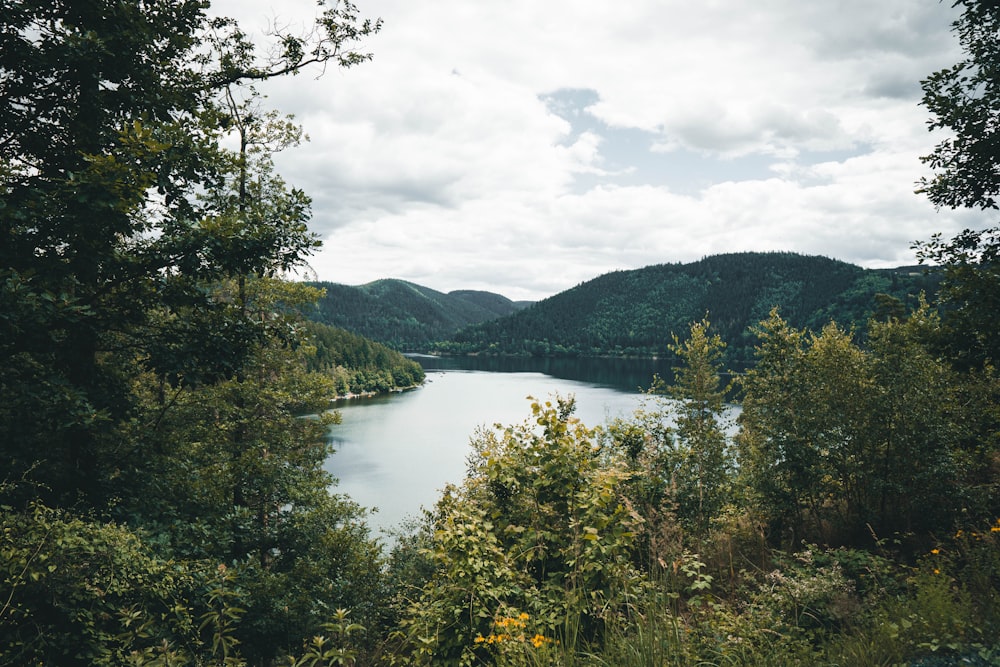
column 442, row 162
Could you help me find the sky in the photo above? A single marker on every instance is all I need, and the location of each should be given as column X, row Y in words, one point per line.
column 523, row 147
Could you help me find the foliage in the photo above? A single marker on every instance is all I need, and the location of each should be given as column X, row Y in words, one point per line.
column 965, row 99
column 164, row 406
column 112, row 130
column 333, row 648
column 81, row 592
column 234, row 472
column 539, row 528
column 158, row 368
column 838, row 441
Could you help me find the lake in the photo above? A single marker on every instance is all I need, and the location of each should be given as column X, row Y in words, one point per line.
column 397, row 452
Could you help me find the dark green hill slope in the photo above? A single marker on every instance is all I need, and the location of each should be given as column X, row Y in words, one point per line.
column 359, row 365
column 636, row 312
column 403, row 315
column 496, row 304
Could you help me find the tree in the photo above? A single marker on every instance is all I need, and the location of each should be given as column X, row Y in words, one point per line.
column 153, row 370
column 702, row 480
column 777, row 461
column 965, row 99
column 839, row 441
column 109, row 129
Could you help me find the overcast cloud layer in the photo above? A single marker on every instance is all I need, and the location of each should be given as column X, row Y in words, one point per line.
column 523, row 147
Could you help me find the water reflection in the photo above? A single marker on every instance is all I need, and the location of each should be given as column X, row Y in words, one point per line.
column 629, row 375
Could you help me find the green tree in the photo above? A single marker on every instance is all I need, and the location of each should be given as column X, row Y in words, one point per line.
column 152, row 368
column 837, row 441
column 965, row 100
column 108, row 132
column 919, row 421
column 233, row 472
column 705, row 465
column 773, row 459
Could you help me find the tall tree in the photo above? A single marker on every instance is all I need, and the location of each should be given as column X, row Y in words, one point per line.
column 837, row 440
column 148, row 370
column 109, row 128
column 703, row 473
column 964, row 99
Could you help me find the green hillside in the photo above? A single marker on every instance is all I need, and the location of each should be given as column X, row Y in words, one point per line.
column 359, row 365
column 636, row 312
column 403, row 315
column 496, row 304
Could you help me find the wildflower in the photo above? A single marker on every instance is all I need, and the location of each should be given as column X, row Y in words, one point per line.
column 937, row 571
column 539, row 640
column 935, row 551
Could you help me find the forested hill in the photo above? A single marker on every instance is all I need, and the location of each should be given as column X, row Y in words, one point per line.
column 358, row 365
column 403, row 315
column 636, row 312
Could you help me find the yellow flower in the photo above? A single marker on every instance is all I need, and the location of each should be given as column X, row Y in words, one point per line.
column 539, row 640
column 937, row 571
column 935, row 551
column 525, row 617
column 480, row 639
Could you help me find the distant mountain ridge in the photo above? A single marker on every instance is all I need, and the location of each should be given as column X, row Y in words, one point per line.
column 404, row 315
column 626, row 313
column 637, row 312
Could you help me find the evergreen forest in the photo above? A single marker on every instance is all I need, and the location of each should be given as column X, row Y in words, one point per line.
column 405, row 316
column 164, row 405
column 637, row 312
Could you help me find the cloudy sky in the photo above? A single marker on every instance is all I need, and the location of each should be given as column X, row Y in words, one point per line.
column 526, row 146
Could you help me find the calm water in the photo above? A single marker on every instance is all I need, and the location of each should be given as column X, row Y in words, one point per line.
column 397, row 452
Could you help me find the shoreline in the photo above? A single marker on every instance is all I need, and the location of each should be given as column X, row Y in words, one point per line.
column 371, row 394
